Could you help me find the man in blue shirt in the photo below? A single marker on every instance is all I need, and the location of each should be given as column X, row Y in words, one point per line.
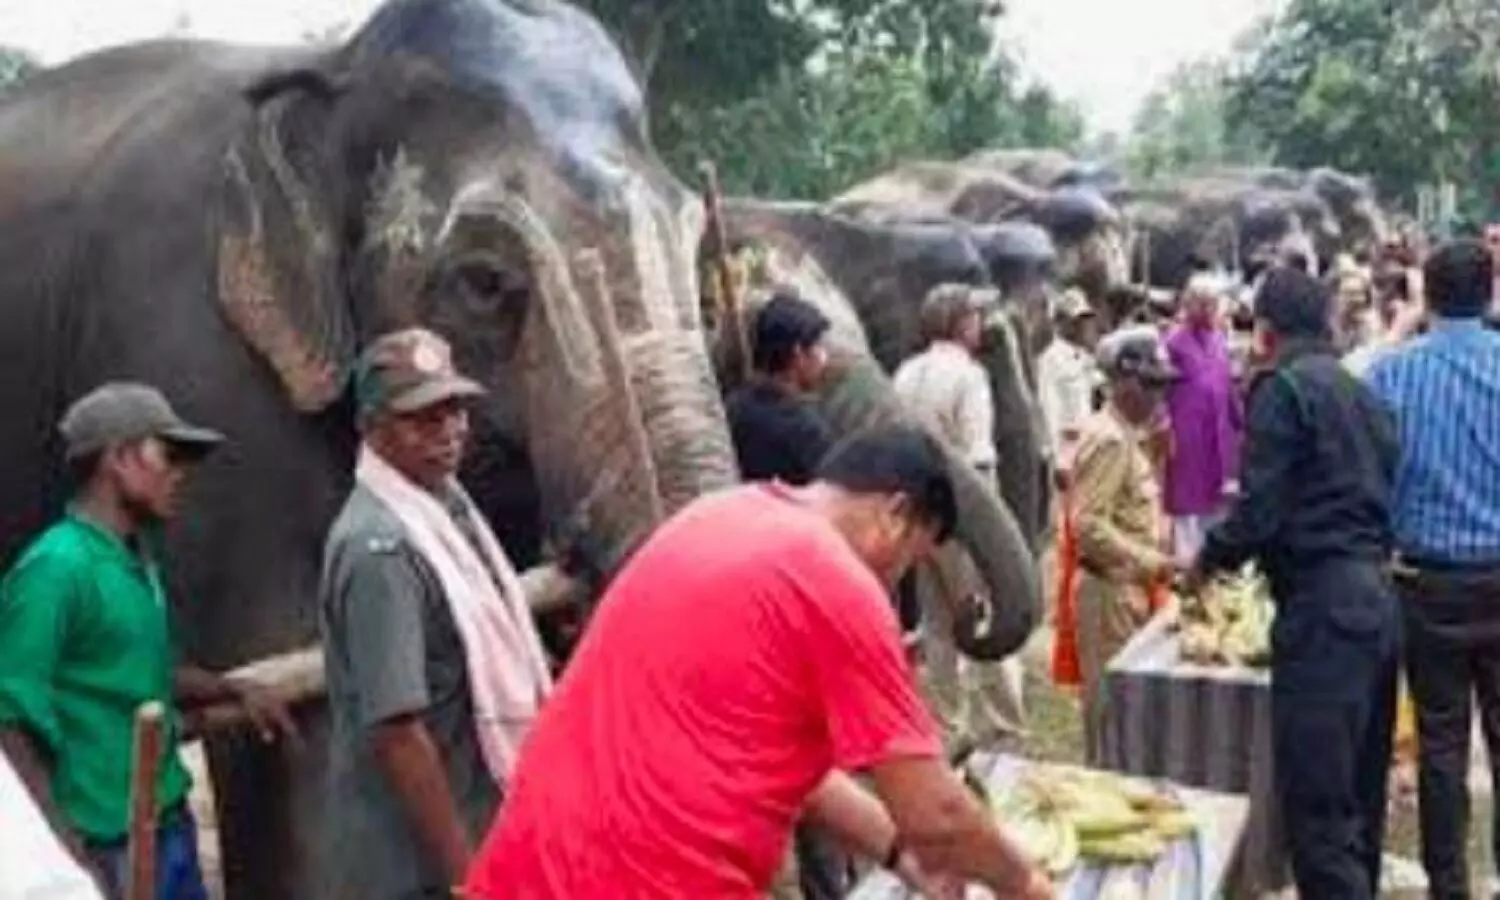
column 1444, row 390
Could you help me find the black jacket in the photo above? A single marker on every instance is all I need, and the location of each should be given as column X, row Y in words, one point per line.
column 776, row 435
column 1316, row 477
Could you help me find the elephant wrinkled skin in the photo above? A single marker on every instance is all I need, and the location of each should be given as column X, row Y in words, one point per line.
column 232, row 224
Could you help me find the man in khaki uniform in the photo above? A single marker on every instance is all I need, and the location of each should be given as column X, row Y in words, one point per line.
column 950, row 391
column 1114, row 505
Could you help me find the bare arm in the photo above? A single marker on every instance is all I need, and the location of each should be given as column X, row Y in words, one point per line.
column 853, row 815
column 193, row 687
column 948, row 831
column 409, row 760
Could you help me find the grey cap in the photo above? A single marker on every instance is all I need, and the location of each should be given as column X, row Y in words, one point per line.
column 405, row 371
column 124, row 412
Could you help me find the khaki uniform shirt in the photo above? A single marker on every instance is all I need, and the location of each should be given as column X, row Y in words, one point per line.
column 1116, row 501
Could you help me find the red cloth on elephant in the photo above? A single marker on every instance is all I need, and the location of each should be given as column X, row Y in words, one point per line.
column 741, row 654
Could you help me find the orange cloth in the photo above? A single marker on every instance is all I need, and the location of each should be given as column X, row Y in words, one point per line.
column 1067, row 670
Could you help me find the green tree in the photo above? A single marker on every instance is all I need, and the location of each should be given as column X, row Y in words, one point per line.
column 15, row 64
column 1183, row 124
column 1401, row 89
column 797, row 98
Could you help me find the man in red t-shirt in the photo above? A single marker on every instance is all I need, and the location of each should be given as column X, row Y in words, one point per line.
column 741, row 664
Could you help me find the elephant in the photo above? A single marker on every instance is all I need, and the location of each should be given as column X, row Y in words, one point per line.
column 1087, row 229
column 1049, row 168
column 870, row 280
column 1352, row 199
column 233, row 224
column 1191, row 222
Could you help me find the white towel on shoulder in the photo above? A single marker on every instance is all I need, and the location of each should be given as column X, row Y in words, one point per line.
column 507, row 667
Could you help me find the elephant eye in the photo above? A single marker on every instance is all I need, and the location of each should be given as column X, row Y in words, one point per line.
column 487, row 289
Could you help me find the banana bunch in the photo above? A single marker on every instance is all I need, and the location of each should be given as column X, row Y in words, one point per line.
column 1229, row 623
column 1059, row 816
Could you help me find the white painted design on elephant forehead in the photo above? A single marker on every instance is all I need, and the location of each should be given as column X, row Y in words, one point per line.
column 399, row 209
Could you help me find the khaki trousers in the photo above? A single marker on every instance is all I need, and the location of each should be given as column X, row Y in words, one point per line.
column 1107, row 618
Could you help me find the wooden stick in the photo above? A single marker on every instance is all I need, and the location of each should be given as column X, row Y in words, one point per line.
column 730, row 312
column 145, row 762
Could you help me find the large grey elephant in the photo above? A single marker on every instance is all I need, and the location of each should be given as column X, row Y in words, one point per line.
column 1193, row 221
column 1048, row 167
column 232, row 224
column 1087, row 229
column 1362, row 222
column 871, row 280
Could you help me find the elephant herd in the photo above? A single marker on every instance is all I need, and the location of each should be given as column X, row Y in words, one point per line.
column 233, row 223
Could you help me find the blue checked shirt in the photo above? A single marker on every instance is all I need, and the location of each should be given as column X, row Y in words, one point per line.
column 1444, row 390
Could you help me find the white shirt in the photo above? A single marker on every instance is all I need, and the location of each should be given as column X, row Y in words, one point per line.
column 950, row 392
column 1066, row 376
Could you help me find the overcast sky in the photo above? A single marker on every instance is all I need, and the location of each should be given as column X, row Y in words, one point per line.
column 1107, row 54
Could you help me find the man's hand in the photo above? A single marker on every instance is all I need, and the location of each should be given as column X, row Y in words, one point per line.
column 267, row 714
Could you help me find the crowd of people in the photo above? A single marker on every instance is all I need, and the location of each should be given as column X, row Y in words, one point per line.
column 1355, row 462
column 741, row 715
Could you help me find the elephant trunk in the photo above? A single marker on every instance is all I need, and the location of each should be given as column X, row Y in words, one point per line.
column 857, row 395
column 1019, row 430
column 617, row 455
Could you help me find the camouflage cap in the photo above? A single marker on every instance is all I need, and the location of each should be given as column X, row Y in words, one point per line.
column 123, row 412
column 406, row 371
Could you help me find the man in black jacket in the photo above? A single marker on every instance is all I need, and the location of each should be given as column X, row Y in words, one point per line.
column 1315, row 513
column 777, row 433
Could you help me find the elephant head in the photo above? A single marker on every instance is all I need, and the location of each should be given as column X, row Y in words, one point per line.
column 481, row 167
column 1087, row 228
column 870, row 281
column 1353, row 202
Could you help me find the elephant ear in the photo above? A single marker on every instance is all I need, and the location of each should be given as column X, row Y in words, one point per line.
column 278, row 258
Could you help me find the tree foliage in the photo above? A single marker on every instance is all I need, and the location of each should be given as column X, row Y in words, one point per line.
column 1404, row 90
column 1183, row 124
column 799, row 98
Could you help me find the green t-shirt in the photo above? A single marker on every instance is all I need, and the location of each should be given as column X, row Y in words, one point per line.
column 83, row 643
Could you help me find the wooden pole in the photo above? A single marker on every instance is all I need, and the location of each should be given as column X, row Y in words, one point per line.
column 731, row 317
column 145, row 761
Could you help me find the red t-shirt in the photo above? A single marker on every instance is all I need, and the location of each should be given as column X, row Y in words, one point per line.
column 741, row 654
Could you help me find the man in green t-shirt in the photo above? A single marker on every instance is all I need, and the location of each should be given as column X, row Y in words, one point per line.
column 84, row 641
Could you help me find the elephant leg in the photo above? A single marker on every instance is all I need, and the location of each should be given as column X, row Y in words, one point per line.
column 269, row 800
